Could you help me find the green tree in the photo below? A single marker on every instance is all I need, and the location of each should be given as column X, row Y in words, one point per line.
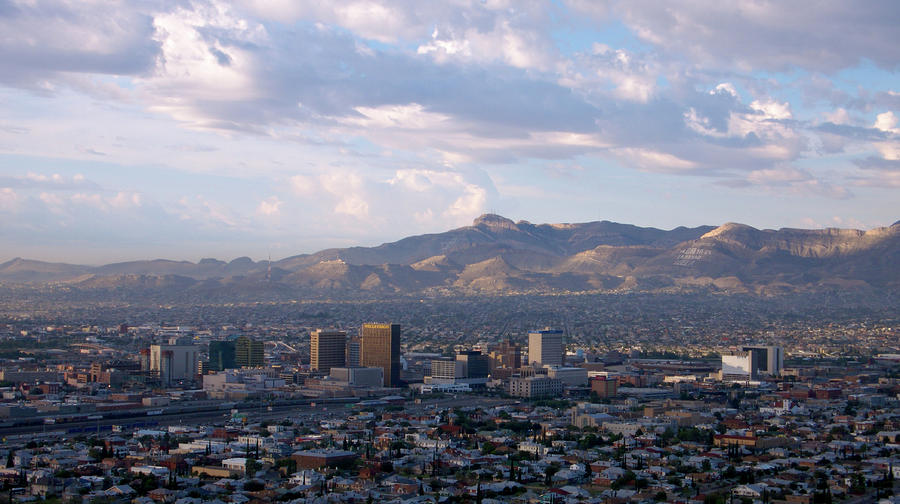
column 251, row 467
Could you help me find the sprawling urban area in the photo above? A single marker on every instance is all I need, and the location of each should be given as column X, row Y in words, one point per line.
column 526, row 399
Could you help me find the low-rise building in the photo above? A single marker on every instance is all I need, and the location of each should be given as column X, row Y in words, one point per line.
column 535, row 386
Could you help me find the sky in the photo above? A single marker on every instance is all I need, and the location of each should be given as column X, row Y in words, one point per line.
column 190, row 129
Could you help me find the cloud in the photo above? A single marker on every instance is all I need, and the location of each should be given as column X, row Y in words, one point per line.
column 409, row 199
column 651, row 160
column 503, row 43
column 792, row 180
column 9, row 200
column 361, row 118
column 46, row 40
column 877, row 172
column 764, row 35
column 207, row 61
column 54, row 181
column 605, row 73
column 471, row 200
column 270, row 206
column 303, row 185
column 211, row 215
column 890, row 148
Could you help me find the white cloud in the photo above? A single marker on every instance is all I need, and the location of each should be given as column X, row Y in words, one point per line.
column 652, row 160
column 270, row 206
column 517, row 47
column 124, row 199
column 725, row 87
column 93, row 200
column 472, row 202
column 353, row 205
column 771, row 109
column 303, row 185
column 9, row 199
column 887, row 122
column 195, row 67
column 409, row 116
column 838, row 116
column 53, row 201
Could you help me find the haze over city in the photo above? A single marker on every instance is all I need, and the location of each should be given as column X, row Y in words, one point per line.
column 196, row 129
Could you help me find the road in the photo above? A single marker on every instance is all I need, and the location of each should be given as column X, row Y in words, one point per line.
column 255, row 413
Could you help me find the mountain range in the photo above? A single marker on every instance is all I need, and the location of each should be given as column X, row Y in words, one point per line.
column 498, row 255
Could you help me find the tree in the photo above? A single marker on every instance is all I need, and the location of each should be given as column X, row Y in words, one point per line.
column 251, row 467
column 548, row 474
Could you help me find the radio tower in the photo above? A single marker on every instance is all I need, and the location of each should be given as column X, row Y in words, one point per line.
column 269, row 269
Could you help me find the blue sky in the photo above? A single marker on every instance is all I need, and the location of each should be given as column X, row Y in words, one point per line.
column 189, row 129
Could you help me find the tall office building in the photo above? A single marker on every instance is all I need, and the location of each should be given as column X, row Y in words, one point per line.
column 546, row 347
column 380, row 347
column 221, row 356
column 768, row 360
column 738, row 366
column 174, row 361
column 475, row 365
column 446, row 371
column 249, row 352
column 506, row 355
column 353, row 352
column 327, row 349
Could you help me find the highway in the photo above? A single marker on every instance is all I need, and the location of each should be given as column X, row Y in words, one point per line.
column 215, row 416
column 294, row 410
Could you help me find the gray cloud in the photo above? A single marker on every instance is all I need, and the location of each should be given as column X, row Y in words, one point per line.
column 768, row 35
column 45, row 39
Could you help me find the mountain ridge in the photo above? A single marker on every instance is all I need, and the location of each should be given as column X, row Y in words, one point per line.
column 498, row 255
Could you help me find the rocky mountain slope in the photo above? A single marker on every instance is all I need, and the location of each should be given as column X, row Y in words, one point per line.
column 497, row 255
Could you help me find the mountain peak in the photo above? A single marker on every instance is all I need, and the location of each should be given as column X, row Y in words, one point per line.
column 494, row 221
column 728, row 227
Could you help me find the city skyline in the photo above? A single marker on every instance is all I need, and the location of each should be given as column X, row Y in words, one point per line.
column 216, row 129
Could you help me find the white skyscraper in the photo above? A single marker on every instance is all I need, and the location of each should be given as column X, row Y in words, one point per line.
column 768, row 360
column 546, row 347
column 175, row 361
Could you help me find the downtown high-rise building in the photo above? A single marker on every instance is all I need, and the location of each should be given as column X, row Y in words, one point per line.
column 380, row 347
column 249, row 353
column 506, row 355
column 327, row 349
column 475, row 364
column 546, row 347
column 767, row 359
column 174, row 361
column 221, row 356
column 353, row 345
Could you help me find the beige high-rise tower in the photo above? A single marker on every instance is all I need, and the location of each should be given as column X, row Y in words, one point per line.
column 546, row 347
column 327, row 349
column 380, row 347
